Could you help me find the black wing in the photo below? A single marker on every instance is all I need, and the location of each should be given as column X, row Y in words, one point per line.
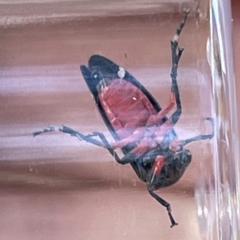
column 100, row 67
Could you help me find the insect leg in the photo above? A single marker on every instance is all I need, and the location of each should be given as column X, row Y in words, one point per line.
column 174, row 97
column 176, row 55
column 126, row 159
column 131, row 157
column 133, row 138
column 156, row 118
column 90, row 138
column 179, row 29
column 200, row 137
column 65, row 129
column 166, row 205
column 45, row 130
column 157, row 167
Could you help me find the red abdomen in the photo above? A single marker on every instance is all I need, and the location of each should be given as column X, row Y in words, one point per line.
column 126, row 107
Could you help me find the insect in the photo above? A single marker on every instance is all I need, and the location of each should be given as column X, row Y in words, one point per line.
column 139, row 126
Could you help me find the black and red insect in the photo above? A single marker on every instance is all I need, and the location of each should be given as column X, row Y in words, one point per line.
column 138, row 124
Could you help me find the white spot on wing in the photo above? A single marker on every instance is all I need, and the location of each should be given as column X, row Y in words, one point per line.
column 121, row 72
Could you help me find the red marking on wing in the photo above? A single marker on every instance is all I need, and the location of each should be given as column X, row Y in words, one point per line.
column 126, row 107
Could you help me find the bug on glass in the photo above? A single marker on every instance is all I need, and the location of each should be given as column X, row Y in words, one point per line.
column 138, row 124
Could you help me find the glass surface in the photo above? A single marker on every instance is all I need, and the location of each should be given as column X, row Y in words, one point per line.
column 54, row 186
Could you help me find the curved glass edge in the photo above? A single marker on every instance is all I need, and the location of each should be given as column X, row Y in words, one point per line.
column 218, row 200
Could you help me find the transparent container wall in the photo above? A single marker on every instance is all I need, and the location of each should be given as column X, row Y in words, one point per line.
column 54, row 186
